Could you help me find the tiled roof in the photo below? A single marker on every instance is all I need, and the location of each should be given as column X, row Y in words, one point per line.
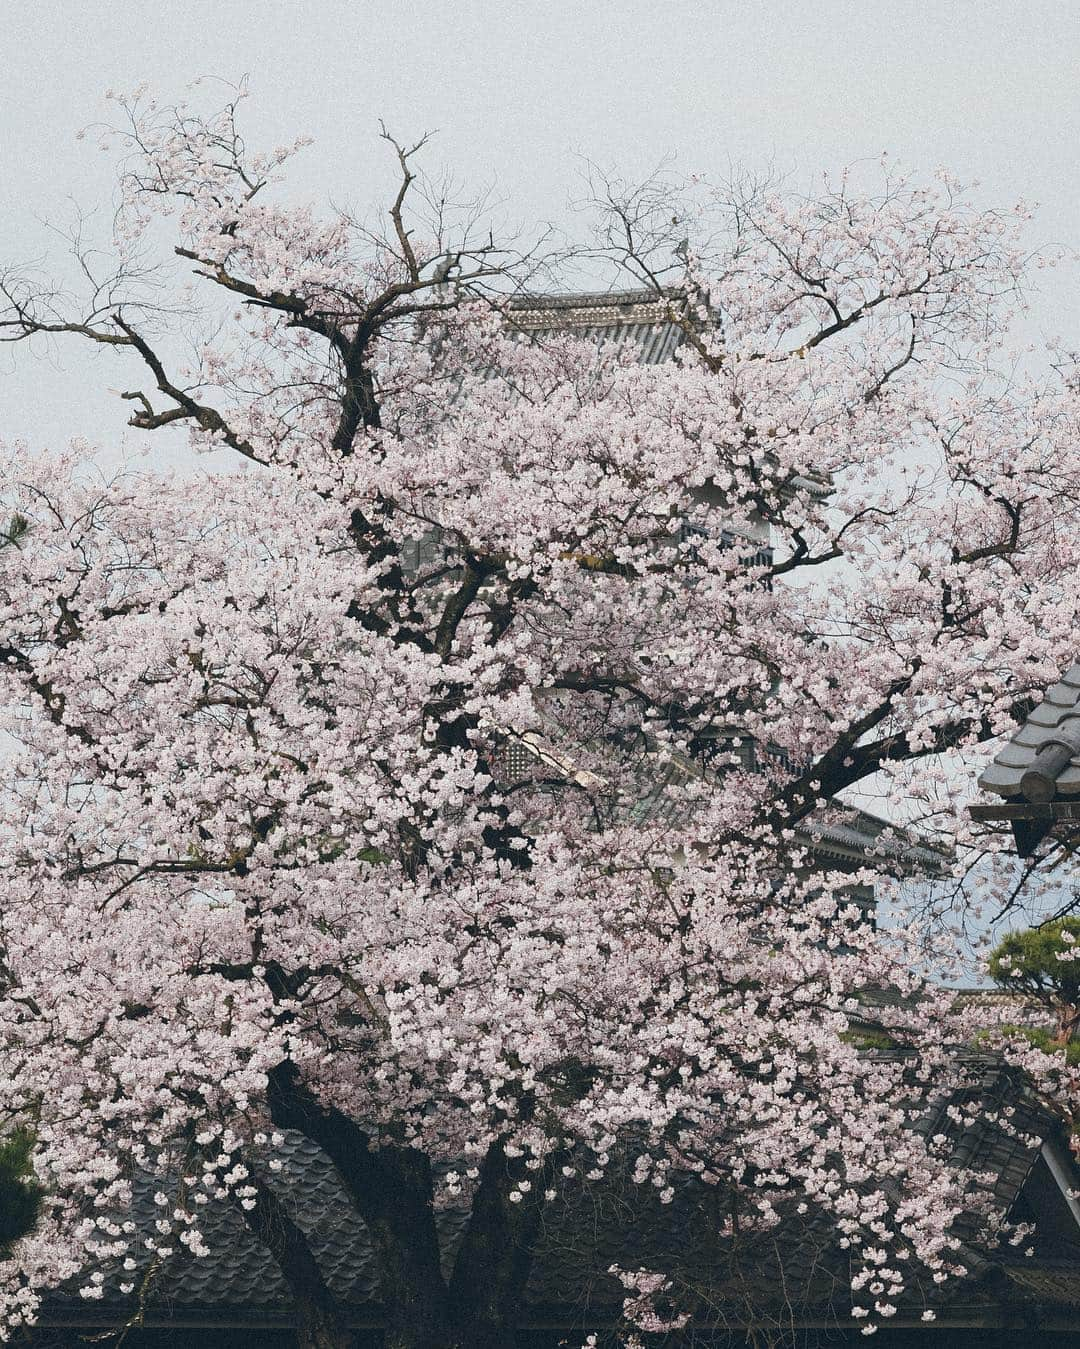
column 1042, row 760
column 862, row 834
column 642, row 320
column 1051, row 1283
column 240, row 1271
column 650, row 323
column 617, row 1221
column 656, row 795
column 611, row 1222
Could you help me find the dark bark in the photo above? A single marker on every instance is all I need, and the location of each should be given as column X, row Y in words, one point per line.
column 320, row 1322
column 487, row 1287
column 359, row 403
column 392, row 1191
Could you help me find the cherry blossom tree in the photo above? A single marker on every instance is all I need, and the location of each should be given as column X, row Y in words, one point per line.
column 264, row 868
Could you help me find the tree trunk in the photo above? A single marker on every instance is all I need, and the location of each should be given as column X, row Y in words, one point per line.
column 491, row 1271
column 392, row 1192
column 321, row 1325
column 1068, row 1020
column 320, row 1333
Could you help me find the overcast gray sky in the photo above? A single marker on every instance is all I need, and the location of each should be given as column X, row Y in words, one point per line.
column 518, row 91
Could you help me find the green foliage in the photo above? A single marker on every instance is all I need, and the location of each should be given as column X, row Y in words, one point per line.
column 865, row 1037
column 16, row 531
column 1040, row 1037
column 1030, row 961
column 20, row 1195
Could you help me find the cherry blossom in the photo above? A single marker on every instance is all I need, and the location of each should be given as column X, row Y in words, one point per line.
column 264, row 868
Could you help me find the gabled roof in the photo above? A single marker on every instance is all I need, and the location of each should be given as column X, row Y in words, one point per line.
column 651, row 323
column 655, row 796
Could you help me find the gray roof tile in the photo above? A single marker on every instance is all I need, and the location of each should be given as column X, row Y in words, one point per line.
column 641, row 321
column 613, row 1221
column 999, row 778
column 1058, row 713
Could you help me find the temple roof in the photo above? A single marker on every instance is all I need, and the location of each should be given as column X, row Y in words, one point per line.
column 1026, row 767
column 645, row 320
column 1038, row 771
column 614, row 1221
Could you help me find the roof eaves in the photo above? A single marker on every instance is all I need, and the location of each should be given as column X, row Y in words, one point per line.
column 1039, row 761
column 589, row 308
column 1038, row 770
